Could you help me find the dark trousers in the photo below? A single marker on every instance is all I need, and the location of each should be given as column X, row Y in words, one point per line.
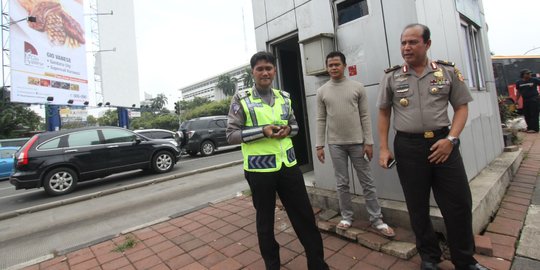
column 530, row 111
column 451, row 190
column 289, row 185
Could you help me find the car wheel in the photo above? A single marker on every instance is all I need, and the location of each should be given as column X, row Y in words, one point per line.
column 60, row 181
column 162, row 162
column 207, row 148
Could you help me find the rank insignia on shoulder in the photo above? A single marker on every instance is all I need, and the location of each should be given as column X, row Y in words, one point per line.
column 446, row 63
column 285, row 94
column 459, row 75
column 392, row 68
column 243, row 94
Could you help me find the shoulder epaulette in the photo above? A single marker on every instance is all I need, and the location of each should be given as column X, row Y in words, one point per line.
column 285, row 94
column 243, row 94
column 392, row 68
column 446, row 63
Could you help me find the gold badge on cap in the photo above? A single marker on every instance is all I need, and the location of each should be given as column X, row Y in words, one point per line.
column 404, row 102
column 434, row 90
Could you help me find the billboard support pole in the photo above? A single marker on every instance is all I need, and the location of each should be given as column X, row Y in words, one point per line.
column 123, row 117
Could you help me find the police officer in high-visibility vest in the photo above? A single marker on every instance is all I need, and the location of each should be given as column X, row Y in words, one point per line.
column 262, row 120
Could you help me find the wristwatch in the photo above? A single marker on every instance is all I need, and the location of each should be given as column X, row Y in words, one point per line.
column 453, row 140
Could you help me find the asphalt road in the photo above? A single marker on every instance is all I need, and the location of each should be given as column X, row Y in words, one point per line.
column 11, row 199
column 58, row 230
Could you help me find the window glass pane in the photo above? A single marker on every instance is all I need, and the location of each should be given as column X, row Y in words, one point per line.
column 468, row 57
column 117, row 136
column 477, row 53
column 222, row 123
column 8, row 153
column 201, row 124
column 213, row 124
column 52, row 144
column 351, row 10
column 83, row 138
column 163, row 135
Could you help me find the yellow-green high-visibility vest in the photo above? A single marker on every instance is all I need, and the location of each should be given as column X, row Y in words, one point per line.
column 267, row 155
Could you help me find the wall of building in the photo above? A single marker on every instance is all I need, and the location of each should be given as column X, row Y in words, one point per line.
column 372, row 43
column 207, row 88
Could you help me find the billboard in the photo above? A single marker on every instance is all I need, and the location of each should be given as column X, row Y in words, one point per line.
column 117, row 62
column 48, row 53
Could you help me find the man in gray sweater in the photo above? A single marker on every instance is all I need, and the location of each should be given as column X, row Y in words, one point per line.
column 343, row 121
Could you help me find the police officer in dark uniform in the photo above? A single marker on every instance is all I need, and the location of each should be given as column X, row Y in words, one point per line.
column 262, row 120
column 527, row 87
column 426, row 149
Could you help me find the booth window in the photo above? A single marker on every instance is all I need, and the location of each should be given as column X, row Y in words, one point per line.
column 473, row 70
column 349, row 10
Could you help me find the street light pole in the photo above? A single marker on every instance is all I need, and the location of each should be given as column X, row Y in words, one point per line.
column 531, row 50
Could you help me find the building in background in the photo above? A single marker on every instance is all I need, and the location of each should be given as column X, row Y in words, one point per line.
column 207, row 88
column 302, row 33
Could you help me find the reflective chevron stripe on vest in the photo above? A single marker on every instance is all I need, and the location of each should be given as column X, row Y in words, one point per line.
column 267, row 155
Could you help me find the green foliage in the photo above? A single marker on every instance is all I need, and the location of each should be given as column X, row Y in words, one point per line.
column 227, row 84
column 15, row 119
column 213, row 108
column 91, row 120
column 247, row 78
column 190, row 105
column 507, row 108
column 110, row 118
column 129, row 242
column 159, row 102
column 150, row 120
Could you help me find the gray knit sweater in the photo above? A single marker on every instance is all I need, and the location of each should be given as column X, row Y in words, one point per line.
column 343, row 114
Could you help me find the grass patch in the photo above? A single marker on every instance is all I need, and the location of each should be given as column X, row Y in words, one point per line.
column 128, row 243
column 246, row 192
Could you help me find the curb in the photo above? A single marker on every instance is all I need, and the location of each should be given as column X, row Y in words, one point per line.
column 37, row 208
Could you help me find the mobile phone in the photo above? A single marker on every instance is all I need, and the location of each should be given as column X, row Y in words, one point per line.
column 390, row 163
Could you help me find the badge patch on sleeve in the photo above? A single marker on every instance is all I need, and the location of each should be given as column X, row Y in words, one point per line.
column 236, row 108
column 458, row 74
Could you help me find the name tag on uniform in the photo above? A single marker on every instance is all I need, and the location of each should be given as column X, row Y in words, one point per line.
column 402, row 88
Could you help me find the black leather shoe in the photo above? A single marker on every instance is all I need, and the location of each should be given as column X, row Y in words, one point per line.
column 476, row 266
column 428, row 266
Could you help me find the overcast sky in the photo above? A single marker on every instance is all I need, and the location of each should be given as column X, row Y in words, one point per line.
column 183, row 42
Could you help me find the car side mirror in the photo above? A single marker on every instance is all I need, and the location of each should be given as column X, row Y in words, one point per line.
column 137, row 140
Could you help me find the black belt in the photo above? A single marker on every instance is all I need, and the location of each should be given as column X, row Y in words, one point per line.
column 428, row 134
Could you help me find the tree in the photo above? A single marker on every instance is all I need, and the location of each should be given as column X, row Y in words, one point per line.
column 15, row 119
column 159, row 102
column 227, row 84
column 196, row 102
column 247, row 78
column 91, row 120
column 110, row 118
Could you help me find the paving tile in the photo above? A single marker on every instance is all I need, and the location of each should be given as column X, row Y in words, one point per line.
column 483, row 245
column 246, row 258
column 145, row 233
column 250, row 241
column 227, row 229
column 523, row 185
column 201, row 252
column 164, row 227
column 516, row 200
column 161, row 266
column 501, row 239
column 192, row 226
column 220, row 243
column 365, row 266
column 404, row 265
column 503, row 229
column 212, row 259
column 233, row 249
column 180, row 261
column 298, row 263
column 227, row 264
column 139, row 255
column 194, row 266
column 286, row 255
column 232, row 218
column 257, row 265
column 519, row 194
column 372, row 241
column 162, row 246
column 174, row 233
column 180, row 221
column 515, row 207
column 107, row 257
column 184, row 238
column 88, row 264
column 191, row 245
column 201, row 231
column 147, row 262
column 521, row 189
column 155, row 240
column 492, row 262
column 58, row 266
column 508, row 222
column 511, row 214
column 334, row 243
column 340, row 261
column 379, row 259
column 170, row 253
column 505, row 252
column 238, row 235
column 115, row 264
column 355, row 251
column 210, row 237
column 79, row 256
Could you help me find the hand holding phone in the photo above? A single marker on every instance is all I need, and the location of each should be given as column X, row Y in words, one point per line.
column 390, row 163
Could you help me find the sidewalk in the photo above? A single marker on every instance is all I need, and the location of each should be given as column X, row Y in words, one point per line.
column 222, row 236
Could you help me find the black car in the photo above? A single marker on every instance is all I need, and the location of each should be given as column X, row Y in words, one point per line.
column 204, row 134
column 161, row 134
column 58, row 160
